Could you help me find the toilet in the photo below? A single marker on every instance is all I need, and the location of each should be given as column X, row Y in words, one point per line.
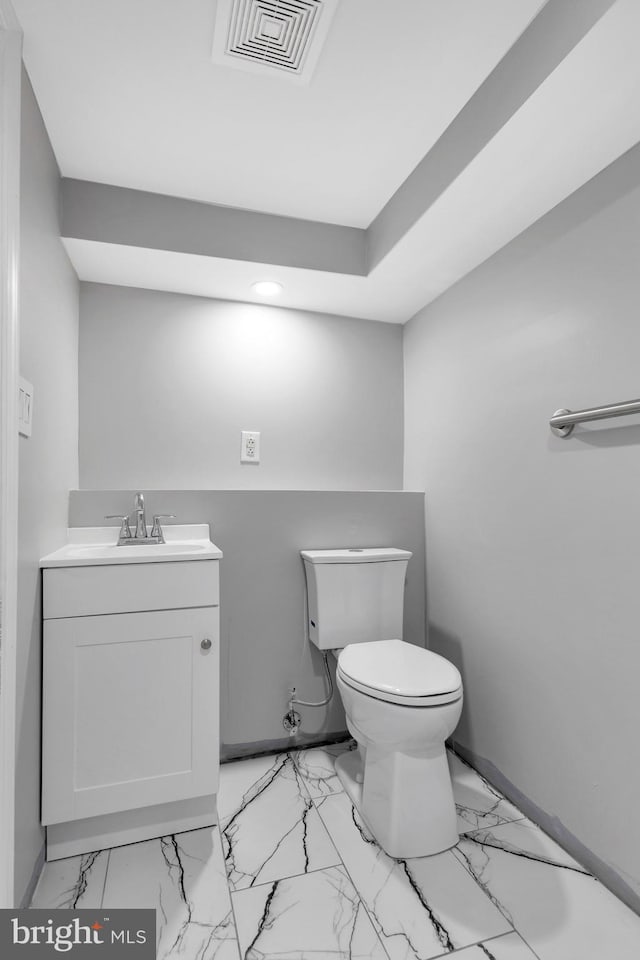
column 401, row 701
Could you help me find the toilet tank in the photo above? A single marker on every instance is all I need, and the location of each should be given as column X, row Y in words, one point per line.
column 355, row 595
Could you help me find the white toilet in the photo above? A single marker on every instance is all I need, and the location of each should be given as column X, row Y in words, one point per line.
column 401, row 701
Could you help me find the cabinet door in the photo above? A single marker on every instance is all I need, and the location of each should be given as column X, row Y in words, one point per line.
column 130, row 711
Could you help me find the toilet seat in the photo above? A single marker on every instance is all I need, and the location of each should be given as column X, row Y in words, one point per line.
column 400, row 672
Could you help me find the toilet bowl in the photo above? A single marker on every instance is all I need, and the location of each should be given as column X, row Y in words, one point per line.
column 401, row 703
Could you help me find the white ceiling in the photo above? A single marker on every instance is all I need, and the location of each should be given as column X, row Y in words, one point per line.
column 131, row 97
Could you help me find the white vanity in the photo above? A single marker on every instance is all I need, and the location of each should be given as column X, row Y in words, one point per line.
column 130, row 735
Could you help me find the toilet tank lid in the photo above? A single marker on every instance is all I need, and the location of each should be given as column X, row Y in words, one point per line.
column 356, row 555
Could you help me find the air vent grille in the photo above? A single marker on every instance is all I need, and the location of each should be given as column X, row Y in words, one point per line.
column 274, row 36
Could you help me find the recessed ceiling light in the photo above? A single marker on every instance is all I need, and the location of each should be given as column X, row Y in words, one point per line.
column 267, row 288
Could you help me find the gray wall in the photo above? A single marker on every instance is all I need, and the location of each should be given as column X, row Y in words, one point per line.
column 533, row 541
column 168, row 381
column 49, row 458
column 263, row 645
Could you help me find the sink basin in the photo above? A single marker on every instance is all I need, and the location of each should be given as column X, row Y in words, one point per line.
column 91, row 546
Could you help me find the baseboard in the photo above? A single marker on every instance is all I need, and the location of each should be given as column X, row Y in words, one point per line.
column 553, row 827
column 33, row 882
column 262, row 748
column 129, row 826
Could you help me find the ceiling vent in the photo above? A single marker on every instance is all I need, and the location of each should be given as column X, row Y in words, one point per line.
column 272, row 37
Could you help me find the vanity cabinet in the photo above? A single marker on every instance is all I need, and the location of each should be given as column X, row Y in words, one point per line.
column 130, row 687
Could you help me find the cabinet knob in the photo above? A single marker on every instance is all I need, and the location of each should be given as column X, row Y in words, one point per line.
column 206, row 644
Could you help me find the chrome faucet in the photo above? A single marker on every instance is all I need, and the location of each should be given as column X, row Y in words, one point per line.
column 127, row 536
column 141, row 520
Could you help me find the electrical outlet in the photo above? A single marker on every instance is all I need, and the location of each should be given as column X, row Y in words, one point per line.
column 250, row 447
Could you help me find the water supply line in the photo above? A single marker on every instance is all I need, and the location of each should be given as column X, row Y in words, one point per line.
column 292, row 719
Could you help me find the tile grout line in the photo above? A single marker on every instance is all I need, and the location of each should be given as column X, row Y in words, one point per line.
column 346, row 870
column 104, row 883
column 360, row 900
column 523, row 816
column 290, row 876
column 527, row 944
column 314, row 801
column 229, row 891
column 509, row 934
column 496, row 903
column 304, row 796
column 466, row 833
column 481, row 943
column 306, row 788
column 503, row 820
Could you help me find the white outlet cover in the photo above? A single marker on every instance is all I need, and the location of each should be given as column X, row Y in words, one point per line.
column 250, row 446
column 25, row 407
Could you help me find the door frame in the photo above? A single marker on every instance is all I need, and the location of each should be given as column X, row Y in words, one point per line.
column 10, row 94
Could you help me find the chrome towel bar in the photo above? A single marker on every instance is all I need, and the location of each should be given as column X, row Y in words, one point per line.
column 563, row 421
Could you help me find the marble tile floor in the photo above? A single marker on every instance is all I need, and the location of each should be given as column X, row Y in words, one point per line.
column 292, row 873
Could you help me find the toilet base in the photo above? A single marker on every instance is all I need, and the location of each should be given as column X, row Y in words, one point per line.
column 405, row 800
column 349, row 769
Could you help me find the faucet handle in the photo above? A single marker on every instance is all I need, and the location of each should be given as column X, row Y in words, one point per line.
column 125, row 529
column 156, row 529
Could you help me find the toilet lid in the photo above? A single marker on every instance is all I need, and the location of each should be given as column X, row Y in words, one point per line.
column 400, row 672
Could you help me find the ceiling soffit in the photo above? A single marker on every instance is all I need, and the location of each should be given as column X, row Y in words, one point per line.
column 108, row 214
